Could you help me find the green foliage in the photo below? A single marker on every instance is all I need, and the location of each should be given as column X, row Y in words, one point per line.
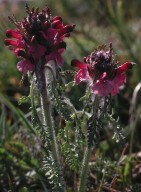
column 17, row 112
column 51, row 172
column 24, row 99
column 16, row 159
column 68, row 147
column 18, row 167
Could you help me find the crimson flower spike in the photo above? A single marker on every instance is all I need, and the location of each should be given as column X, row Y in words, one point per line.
column 101, row 71
column 37, row 36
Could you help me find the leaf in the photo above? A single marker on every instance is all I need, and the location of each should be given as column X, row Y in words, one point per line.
column 21, row 117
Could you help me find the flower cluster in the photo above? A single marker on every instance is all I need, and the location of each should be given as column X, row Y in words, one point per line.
column 102, row 72
column 37, row 36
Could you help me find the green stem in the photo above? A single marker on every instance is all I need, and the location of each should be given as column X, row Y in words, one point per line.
column 84, row 171
column 48, row 78
column 102, row 181
column 133, row 126
column 87, row 154
column 46, row 108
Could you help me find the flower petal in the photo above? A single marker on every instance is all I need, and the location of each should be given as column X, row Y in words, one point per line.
column 50, row 34
column 10, row 42
column 24, row 66
column 57, row 18
column 57, row 24
column 115, row 90
column 55, row 56
column 103, row 87
column 78, row 64
column 103, row 76
column 66, row 29
column 82, row 75
column 124, row 67
column 119, row 79
column 37, row 51
column 13, row 34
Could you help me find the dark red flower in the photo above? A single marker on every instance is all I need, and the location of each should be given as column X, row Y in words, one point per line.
column 101, row 72
column 37, row 36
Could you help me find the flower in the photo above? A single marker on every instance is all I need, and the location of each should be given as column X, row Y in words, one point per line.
column 102, row 72
column 37, row 36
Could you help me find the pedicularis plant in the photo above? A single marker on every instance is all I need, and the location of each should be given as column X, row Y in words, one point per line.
column 38, row 41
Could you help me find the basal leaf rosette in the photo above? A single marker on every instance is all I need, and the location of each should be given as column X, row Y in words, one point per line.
column 102, row 73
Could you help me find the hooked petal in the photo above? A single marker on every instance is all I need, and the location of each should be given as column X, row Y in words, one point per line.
column 10, row 42
column 124, row 67
column 13, row 34
column 57, row 24
column 78, row 64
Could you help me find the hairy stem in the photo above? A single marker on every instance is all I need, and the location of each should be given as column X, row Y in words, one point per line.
column 46, row 81
column 84, row 170
column 48, row 77
column 87, row 153
column 46, row 110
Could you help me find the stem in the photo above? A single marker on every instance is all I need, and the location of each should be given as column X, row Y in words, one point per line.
column 102, row 181
column 48, row 77
column 84, row 171
column 87, row 153
column 134, row 114
column 133, row 127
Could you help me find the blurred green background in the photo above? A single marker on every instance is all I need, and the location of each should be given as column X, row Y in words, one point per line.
column 97, row 22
